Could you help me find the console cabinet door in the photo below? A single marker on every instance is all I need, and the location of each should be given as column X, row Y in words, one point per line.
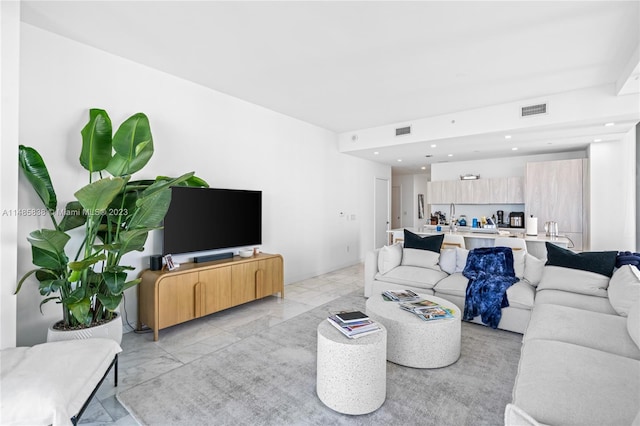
column 216, row 290
column 243, row 282
column 177, row 297
column 269, row 278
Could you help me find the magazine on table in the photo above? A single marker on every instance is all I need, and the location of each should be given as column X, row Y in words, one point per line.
column 427, row 310
column 356, row 329
column 399, row 295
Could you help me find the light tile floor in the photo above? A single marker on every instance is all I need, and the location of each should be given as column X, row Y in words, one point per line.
column 142, row 359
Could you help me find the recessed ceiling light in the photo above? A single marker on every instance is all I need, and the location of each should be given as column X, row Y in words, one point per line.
column 515, row 148
column 376, row 153
column 597, row 140
column 433, row 145
column 423, row 168
column 399, row 160
column 450, row 155
column 507, row 136
column 609, row 124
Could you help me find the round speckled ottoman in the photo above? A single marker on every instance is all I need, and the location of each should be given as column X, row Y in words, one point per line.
column 416, row 343
column 352, row 373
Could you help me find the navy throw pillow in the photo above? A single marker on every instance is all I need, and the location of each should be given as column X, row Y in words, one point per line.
column 431, row 242
column 628, row 258
column 600, row 262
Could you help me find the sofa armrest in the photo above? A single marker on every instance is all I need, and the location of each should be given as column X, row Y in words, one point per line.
column 370, row 271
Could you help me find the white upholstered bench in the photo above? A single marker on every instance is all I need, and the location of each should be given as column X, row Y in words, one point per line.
column 53, row 383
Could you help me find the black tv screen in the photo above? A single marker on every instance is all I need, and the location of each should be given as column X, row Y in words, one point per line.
column 202, row 219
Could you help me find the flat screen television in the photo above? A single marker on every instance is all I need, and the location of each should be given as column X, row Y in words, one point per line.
column 202, row 219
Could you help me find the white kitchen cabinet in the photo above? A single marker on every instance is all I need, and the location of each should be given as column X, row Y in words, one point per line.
column 515, row 190
column 508, row 190
column 442, row 192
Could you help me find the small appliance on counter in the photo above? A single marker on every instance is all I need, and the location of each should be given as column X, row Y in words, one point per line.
column 516, row 219
column 551, row 229
column 500, row 214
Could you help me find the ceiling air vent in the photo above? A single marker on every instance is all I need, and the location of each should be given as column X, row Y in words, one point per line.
column 403, row 131
column 533, row 110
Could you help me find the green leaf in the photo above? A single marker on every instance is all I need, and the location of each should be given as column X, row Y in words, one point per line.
column 37, row 174
column 131, row 283
column 110, row 302
column 133, row 239
column 51, row 286
column 81, row 265
column 151, row 210
column 96, row 197
column 42, row 274
column 193, row 181
column 49, row 239
column 96, row 141
column 73, row 216
column 47, row 249
column 76, row 296
column 80, row 311
column 133, row 145
column 48, row 299
column 115, row 281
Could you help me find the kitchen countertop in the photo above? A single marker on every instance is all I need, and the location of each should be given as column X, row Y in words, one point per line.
column 467, row 232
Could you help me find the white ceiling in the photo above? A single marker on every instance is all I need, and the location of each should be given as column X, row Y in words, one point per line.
column 353, row 65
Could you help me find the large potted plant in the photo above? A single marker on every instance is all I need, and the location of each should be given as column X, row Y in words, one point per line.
column 116, row 212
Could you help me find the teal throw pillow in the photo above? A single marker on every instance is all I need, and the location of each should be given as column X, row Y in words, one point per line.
column 431, row 242
column 600, row 262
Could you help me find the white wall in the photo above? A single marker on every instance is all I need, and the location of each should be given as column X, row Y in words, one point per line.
column 305, row 181
column 9, row 80
column 613, row 194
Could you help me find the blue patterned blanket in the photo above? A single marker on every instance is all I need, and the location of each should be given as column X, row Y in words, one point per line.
column 490, row 272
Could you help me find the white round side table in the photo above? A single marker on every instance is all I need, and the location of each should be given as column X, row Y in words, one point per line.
column 351, row 373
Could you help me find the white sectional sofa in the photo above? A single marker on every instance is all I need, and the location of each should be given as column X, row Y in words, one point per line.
column 580, row 360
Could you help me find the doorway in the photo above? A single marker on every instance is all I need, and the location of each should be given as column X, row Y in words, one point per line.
column 381, row 212
column 396, row 207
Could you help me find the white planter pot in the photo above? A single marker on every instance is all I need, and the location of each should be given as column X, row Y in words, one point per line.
column 111, row 330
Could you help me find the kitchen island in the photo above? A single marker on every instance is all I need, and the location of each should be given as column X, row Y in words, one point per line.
column 484, row 237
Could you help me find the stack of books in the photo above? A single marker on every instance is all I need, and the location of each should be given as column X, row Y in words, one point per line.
column 399, row 295
column 353, row 324
column 427, row 310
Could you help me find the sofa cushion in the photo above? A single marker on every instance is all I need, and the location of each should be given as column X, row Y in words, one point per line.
column 561, row 383
column 519, row 257
column 575, row 300
column 454, row 284
column 573, row 280
column 599, row 262
column 413, row 276
column 633, row 323
column 420, row 258
column 516, row 416
column 389, row 258
column 533, row 268
column 594, row 330
column 430, row 242
column 521, row 295
column 447, row 260
column 461, row 258
column 624, row 288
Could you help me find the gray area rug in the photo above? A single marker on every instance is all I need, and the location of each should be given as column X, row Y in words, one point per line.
column 269, row 379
